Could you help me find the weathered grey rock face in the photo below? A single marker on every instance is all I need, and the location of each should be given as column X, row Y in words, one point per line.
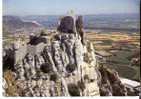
column 63, row 57
column 67, row 43
column 4, row 87
column 63, row 67
column 67, row 25
column 111, row 84
column 34, row 88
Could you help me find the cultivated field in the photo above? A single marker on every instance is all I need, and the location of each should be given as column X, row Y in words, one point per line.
column 124, row 47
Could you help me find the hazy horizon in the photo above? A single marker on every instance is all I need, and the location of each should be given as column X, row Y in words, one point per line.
column 76, row 14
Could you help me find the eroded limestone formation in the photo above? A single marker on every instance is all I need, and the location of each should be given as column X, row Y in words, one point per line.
column 62, row 67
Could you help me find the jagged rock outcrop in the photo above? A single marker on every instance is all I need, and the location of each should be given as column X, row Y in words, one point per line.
column 63, row 58
column 64, row 67
column 61, row 66
column 110, row 83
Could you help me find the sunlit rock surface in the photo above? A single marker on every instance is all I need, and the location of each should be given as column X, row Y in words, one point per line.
column 47, row 69
column 63, row 67
column 59, row 66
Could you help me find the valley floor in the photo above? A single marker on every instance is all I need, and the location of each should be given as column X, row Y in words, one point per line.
column 121, row 51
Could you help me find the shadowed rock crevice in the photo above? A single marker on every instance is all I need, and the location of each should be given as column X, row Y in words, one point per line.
column 73, row 90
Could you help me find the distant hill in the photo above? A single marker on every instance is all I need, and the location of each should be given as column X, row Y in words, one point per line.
column 11, row 23
column 104, row 22
column 49, row 21
column 117, row 22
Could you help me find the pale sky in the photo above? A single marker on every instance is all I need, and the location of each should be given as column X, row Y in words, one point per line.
column 54, row 7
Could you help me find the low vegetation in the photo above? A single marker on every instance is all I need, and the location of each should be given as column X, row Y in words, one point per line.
column 122, row 46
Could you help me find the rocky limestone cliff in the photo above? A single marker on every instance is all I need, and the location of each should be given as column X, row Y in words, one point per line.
column 53, row 68
column 59, row 65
